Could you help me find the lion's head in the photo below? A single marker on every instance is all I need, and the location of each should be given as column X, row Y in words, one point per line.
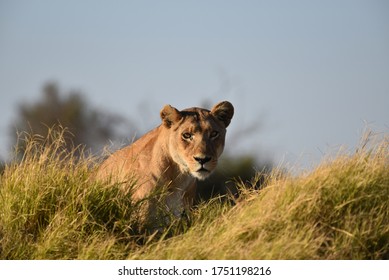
column 196, row 136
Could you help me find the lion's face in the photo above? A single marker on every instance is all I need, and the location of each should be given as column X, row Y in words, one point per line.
column 197, row 136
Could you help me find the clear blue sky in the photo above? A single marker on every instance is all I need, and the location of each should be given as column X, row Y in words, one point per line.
column 309, row 73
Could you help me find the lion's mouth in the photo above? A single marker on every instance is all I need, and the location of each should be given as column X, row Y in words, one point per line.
column 202, row 169
column 201, row 173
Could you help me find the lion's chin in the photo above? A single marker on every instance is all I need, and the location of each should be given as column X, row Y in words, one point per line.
column 201, row 174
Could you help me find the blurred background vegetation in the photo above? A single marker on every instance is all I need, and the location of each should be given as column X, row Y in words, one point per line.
column 97, row 129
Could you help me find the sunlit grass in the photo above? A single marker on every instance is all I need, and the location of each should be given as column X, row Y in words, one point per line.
column 51, row 209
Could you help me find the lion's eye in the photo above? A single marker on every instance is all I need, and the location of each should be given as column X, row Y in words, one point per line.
column 187, row 136
column 214, row 134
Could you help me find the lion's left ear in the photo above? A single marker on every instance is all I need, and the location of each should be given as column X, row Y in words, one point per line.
column 223, row 111
column 170, row 115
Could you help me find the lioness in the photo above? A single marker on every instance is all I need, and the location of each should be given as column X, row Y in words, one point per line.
column 184, row 148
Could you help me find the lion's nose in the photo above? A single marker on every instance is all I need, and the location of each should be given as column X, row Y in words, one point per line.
column 202, row 160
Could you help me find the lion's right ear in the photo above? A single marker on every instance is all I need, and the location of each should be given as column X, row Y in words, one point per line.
column 170, row 115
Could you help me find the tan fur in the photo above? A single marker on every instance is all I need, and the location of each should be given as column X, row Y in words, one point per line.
column 184, row 148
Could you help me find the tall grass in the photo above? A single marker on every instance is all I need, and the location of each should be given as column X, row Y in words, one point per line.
column 338, row 211
column 50, row 209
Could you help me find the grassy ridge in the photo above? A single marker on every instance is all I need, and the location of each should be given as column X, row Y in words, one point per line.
column 338, row 211
column 49, row 209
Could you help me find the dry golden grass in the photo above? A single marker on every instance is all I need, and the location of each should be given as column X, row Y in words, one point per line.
column 49, row 209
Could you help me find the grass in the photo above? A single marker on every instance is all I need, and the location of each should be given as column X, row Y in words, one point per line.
column 50, row 209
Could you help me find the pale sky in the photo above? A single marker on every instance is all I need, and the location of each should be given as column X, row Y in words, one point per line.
column 310, row 74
